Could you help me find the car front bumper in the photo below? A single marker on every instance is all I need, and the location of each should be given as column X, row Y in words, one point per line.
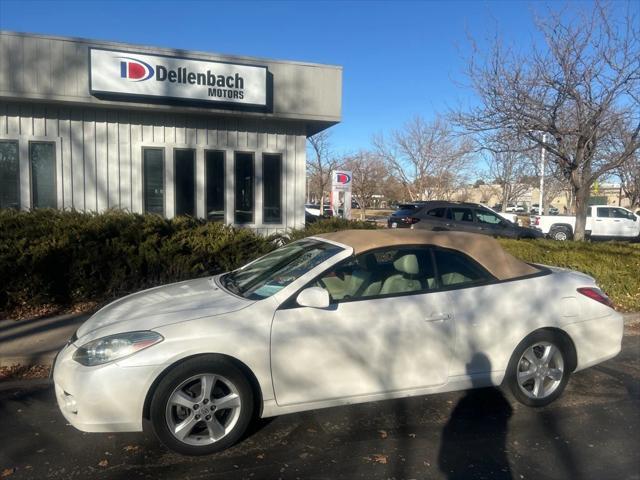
column 105, row 398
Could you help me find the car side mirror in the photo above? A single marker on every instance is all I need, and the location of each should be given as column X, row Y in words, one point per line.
column 314, row 297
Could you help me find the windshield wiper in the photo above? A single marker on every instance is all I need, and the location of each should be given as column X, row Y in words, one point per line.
column 231, row 284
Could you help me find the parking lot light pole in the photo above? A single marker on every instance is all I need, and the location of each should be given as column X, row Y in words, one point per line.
column 541, row 205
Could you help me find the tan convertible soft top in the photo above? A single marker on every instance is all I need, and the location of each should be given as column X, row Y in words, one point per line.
column 483, row 249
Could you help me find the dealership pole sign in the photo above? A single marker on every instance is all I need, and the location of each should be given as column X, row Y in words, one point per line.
column 126, row 73
column 341, row 182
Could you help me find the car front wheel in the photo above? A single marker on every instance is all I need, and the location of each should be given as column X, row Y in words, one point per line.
column 538, row 371
column 202, row 406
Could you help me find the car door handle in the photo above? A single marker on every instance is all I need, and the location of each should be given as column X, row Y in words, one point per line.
column 616, row 220
column 598, row 220
column 439, row 317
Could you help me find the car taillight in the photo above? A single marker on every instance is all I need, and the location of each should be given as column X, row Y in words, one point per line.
column 410, row 220
column 536, row 221
column 597, row 295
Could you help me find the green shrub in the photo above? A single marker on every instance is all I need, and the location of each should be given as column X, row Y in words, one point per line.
column 67, row 257
column 329, row 225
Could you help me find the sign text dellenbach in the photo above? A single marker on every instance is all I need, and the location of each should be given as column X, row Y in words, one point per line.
column 172, row 77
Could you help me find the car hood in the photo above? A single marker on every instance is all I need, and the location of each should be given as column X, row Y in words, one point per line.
column 163, row 305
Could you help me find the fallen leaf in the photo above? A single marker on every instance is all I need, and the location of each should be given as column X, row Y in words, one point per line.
column 260, row 456
column 103, row 463
column 383, row 434
column 311, row 430
column 7, row 472
column 379, row 458
column 412, row 435
column 131, row 448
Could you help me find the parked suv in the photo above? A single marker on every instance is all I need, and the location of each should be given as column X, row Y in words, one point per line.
column 402, row 217
column 465, row 217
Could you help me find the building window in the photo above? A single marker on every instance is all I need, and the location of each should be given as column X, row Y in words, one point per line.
column 185, row 181
column 9, row 175
column 215, row 185
column 43, row 174
column 244, row 179
column 153, row 180
column 272, row 188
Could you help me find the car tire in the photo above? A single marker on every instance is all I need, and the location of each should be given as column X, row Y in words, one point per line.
column 561, row 234
column 188, row 420
column 534, row 380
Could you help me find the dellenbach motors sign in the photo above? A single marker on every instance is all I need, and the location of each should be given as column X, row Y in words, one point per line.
column 127, row 73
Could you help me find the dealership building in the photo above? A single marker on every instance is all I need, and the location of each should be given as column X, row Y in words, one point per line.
column 92, row 126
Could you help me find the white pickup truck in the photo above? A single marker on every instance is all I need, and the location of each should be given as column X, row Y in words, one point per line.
column 603, row 221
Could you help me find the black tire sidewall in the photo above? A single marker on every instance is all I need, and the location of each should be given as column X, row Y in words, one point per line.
column 512, row 369
column 189, row 368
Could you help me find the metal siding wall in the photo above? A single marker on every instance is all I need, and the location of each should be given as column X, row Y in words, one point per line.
column 100, row 164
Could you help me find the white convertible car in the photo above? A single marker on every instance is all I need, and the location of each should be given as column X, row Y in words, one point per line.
column 341, row 318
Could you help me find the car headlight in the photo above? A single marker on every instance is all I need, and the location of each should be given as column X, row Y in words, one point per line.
column 114, row 347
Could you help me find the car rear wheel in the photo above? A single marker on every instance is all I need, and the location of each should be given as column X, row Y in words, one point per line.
column 202, row 406
column 561, row 234
column 539, row 369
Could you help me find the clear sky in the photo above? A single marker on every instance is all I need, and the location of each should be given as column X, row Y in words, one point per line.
column 399, row 58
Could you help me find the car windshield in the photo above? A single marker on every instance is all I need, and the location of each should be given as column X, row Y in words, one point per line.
column 271, row 273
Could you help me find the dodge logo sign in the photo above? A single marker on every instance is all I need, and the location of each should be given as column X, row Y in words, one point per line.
column 341, row 181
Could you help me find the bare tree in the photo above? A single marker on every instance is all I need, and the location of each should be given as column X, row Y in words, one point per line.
column 369, row 175
column 629, row 173
column 582, row 89
column 510, row 166
column 320, row 164
column 427, row 157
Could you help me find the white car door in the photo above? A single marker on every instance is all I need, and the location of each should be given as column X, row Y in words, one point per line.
column 603, row 225
column 626, row 222
column 386, row 330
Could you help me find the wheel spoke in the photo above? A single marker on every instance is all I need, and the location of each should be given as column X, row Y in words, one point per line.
column 538, row 388
column 555, row 374
column 229, row 401
column 216, row 429
column 184, row 428
column 206, row 382
column 523, row 377
column 531, row 356
column 549, row 352
column 182, row 399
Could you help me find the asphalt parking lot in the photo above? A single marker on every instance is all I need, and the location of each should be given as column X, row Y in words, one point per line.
column 591, row 432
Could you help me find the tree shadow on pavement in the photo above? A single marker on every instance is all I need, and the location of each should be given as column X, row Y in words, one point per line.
column 479, row 421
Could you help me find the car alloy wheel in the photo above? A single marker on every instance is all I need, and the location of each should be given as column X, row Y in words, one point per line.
column 560, row 235
column 202, row 405
column 540, row 370
column 203, row 409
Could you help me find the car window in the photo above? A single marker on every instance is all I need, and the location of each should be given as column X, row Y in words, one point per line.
column 405, row 210
column 462, row 214
column 620, row 213
column 389, row 271
column 484, row 216
column 437, row 212
column 604, row 211
column 455, row 268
